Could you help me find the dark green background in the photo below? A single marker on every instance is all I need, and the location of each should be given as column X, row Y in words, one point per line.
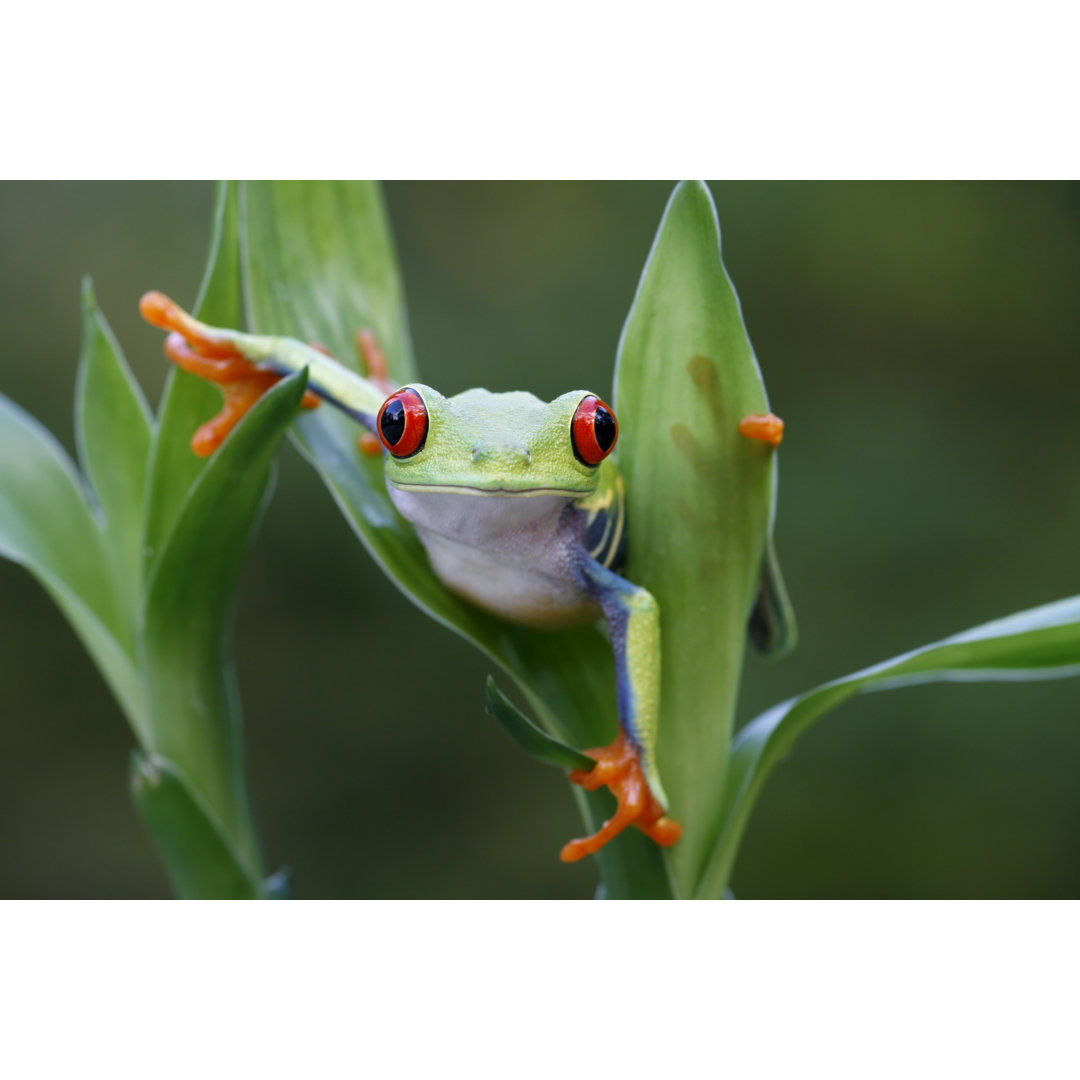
column 921, row 341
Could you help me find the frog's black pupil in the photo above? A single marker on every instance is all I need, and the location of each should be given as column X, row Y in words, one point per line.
column 392, row 423
column 603, row 428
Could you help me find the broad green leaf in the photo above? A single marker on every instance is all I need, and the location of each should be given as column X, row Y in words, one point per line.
column 529, row 737
column 318, row 265
column 1041, row 643
column 48, row 526
column 188, row 401
column 184, row 646
column 185, row 654
column 46, row 522
column 699, row 499
column 338, row 281
column 201, row 863
column 112, row 431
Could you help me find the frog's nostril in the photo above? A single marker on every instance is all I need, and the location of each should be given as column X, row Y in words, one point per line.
column 476, row 453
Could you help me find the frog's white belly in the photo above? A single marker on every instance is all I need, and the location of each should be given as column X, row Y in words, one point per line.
column 506, row 554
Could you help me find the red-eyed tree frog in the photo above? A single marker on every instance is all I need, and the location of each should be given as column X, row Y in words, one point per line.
column 519, row 504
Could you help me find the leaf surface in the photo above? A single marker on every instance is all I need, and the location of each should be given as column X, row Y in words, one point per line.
column 188, row 401
column 201, row 863
column 185, row 645
column 699, row 499
column 113, row 432
column 48, row 526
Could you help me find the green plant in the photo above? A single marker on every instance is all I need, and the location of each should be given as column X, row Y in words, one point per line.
column 315, row 262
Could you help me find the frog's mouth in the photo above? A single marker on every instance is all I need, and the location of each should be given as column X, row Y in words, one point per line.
column 473, row 489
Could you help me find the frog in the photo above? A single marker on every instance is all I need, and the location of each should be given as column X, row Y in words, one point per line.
column 520, row 506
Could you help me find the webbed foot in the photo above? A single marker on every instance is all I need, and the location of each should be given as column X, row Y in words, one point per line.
column 211, row 355
column 618, row 767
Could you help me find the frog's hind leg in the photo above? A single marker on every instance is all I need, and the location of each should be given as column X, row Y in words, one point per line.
column 216, row 356
column 627, row 766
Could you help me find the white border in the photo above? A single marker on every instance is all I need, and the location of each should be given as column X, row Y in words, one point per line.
column 385, row 989
column 773, row 89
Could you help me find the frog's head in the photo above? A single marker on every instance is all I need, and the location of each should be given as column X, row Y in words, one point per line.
column 480, row 443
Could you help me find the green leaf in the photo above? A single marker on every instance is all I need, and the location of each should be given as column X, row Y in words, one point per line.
column 318, row 264
column 201, row 863
column 699, row 498
column 200, row 516
column 529, row 737
column 185, row 654
column 331, row 242
column 188, row 401
column 113, row 431
column 48, row 526
column 1041, row 643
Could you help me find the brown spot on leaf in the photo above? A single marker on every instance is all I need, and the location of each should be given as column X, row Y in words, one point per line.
column 706, row 465
column 684, row 440
column 703, row 372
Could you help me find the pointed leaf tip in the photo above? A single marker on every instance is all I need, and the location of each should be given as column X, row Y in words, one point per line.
column 536, row 743
column 113, row 432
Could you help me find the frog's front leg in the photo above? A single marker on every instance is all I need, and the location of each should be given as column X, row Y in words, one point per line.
column 628, row 766
column 218, row 356
column 245, row 366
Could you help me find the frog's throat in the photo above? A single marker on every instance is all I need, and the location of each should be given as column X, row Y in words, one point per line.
column 471, row 489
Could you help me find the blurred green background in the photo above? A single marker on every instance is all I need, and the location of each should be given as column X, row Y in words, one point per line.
column 920, row 340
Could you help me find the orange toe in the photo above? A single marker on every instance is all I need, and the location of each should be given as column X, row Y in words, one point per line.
column 765, row 427
column 369, row 444
column 205, row 352
column 158, row 310
column 618, row 767
column 240, row 396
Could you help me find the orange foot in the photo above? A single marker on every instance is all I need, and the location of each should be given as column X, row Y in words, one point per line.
column 766, row 427
column 618, row 766
column 195, row 348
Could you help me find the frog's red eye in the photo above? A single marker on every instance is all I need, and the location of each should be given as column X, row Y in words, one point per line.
column 403, row 422
column 593, row 431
